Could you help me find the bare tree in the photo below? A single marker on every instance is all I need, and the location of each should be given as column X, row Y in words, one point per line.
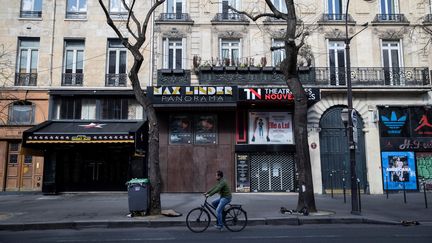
column 294, row 39
column 138, row 34
column 6, row 79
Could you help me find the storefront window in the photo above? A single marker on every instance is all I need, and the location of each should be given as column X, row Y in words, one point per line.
column 188, row 129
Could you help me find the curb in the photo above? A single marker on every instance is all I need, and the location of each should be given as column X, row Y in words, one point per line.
column 156, row 223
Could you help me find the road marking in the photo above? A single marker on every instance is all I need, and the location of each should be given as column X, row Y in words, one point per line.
column 286, row 237
column 118, row 240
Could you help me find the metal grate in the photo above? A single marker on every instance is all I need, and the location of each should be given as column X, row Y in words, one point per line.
column 272, row 172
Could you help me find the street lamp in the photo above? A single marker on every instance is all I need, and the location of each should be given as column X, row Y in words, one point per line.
column 350, row 115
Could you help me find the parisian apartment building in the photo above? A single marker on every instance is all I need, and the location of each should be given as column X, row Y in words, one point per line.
column 69, row 120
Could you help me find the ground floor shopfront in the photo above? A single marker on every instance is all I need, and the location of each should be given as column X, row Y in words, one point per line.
column 245, row 132
column 88, row 156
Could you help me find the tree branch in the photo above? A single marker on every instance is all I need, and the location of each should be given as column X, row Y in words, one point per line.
column 253, row 18
column 110, row 22
column 131, row 14
column 149, row 13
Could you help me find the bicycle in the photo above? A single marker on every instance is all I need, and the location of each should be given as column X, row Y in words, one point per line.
column 234, row 217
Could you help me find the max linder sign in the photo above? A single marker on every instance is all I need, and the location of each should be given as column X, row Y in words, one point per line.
column 192, row 94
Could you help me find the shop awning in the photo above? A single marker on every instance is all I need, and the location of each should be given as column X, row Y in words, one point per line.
column 87, row 132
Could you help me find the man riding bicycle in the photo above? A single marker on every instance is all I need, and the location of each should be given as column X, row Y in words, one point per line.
column 222, row 188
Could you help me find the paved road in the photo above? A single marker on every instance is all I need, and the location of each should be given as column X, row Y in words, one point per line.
column 252, row 234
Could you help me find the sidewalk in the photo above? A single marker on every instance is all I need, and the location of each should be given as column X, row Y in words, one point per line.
column 23, row 211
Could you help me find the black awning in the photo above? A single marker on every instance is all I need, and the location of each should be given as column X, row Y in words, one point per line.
column 56, row 132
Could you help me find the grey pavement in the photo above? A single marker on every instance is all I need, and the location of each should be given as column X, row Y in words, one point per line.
column 25, row 211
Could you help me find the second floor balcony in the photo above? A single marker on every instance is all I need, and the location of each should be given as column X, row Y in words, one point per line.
column 76, row 15
column 335, row 18
column 227, row 17
column 116, row 80
column 361, row 77
column 72, row 79
column 31, row 14
column 390, row 18
column 174, row 17
column 173, row 77
column 25, row 79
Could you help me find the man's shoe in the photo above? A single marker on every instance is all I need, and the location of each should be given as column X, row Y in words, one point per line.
column 218, row 227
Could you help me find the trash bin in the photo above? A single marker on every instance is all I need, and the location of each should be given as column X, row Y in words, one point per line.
column 138, row 195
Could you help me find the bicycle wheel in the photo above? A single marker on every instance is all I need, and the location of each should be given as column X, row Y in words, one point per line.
column 235, row 219
column 198, row 220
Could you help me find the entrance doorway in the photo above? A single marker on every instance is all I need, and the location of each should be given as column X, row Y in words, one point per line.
column 96, row 169
column 272, row 172
column 335, row 165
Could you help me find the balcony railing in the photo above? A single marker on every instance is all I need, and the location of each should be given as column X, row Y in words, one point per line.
column 230, row 17
column 428, row 19
column 76, row 15
column 174, row 17
column 319, row 76
column 336, row 17
column 72, row 79
column 31, row 14
column 25, row 79
column 392, row 18
column 119, row 15
column 173, row 77
column 115, row 80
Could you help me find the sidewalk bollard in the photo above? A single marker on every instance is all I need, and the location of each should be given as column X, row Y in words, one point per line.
column 344, row 189
column 359, row 198
column 387, row 186
column 331, row 184
column 404, row 191
column 424, row 192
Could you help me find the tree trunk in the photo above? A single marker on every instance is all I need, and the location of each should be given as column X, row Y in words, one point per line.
column 302, row 158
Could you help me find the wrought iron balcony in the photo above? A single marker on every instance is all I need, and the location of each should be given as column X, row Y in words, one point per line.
column 173, row 77
column 119, row 15
column 428, row 19
column 115, row 80
column 25, row 79
column 177, row 17
column 230, row 17
column 31, row 14
column 72, row 79
column 390, row 18
column 76, row 15
column 318, row 76
column 336, row 18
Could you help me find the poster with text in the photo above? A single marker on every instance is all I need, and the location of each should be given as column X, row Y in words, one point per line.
column 270, row 128
column 206, row 129
column 180, row 127
column 399, row 170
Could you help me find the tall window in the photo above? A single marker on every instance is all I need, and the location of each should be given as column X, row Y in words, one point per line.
column 175, row 9
column 389, row 9
column 76, row 9
column 277, row 55
column 117, row 7
column 392, row 61
column 27, row 62
column 114, row 109
column 21, row 113
column 230, row 51
column 31, row 9
column 116, row 68
column 335, row 9
column 173, row 53
column 336, row 50
column 280, row 5
column 73, row 63
column 228, row 13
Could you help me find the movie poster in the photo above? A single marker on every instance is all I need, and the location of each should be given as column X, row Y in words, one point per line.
column 206, row 129
column 399, row 170
column 270, row 128
column 180, row 129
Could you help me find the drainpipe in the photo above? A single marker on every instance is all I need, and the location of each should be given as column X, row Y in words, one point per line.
column 152, row 46
column 52, row 43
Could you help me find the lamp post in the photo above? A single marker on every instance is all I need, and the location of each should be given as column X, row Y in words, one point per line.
column 351, row 115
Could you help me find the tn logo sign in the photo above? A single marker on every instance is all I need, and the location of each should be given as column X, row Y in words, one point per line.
column 252, row 94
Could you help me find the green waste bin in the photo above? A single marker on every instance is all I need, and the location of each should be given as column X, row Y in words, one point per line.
column 138, row 195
